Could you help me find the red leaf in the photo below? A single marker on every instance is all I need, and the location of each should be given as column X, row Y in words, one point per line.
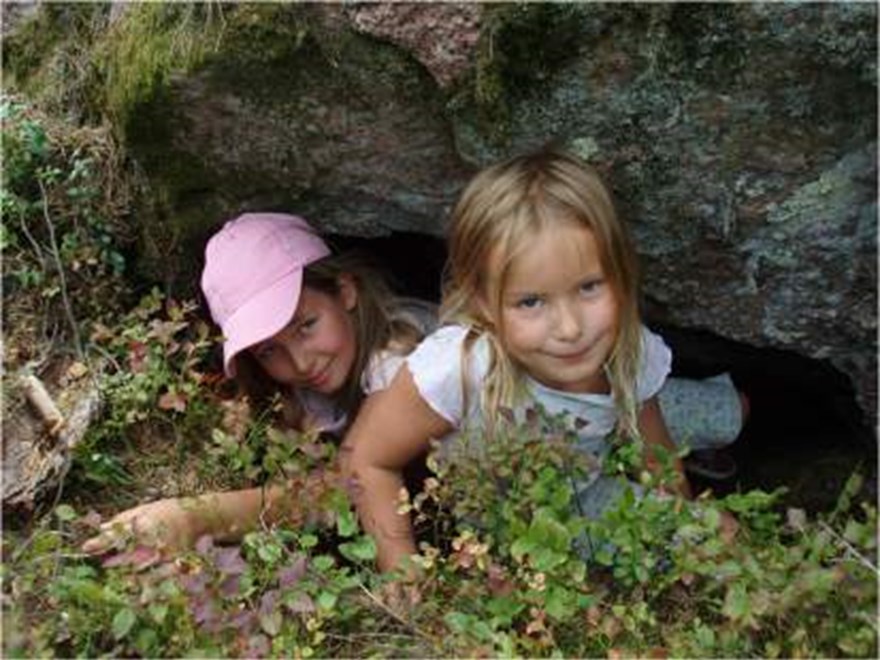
column 229, row 561
column 204, row 545
column 173, row 401
column 92, row 519
column 137, row 356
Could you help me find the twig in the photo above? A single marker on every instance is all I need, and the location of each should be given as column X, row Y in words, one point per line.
column 37, row 249
column 418, row 632
column 865, row 562
column 106, row 354
column 57, row 256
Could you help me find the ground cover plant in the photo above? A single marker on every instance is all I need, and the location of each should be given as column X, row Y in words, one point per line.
column 503, row 568
column 63, row 195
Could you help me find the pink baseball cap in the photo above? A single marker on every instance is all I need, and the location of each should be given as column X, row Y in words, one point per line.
column 253, row 276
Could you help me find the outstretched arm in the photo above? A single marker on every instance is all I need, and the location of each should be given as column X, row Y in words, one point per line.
column 176, row 523
column 392, row 428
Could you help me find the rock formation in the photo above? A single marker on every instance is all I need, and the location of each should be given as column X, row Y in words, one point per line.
column 740, row 138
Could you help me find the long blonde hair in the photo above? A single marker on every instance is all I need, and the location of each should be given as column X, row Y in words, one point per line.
column 498, row 212
column 375, row 327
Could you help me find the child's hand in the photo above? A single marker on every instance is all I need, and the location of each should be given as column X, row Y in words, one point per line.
column 164, row 525
column 729, row 526
column 400, row 597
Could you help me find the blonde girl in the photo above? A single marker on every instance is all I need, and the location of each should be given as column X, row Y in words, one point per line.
column 321, row 330
column 541, row 306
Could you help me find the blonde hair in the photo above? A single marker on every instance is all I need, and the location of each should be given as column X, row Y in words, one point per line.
column 499, row 210
column 375, row 327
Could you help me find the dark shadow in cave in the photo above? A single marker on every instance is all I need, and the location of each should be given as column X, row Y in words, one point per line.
column 806, row 431
column 414, row 262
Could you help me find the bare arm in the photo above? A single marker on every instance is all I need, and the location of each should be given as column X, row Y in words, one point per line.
column 176, row 523
column 655, row 433
column 392, row 428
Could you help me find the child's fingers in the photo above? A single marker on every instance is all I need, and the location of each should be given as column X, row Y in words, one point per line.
column 106, row 540
column 113, row 533
column 94, row 545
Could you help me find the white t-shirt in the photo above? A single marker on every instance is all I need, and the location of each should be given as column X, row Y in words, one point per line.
column 323, row 412
column 436, row 366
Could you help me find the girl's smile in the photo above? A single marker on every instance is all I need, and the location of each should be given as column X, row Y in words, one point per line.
column 558, row 312
column 316, row 350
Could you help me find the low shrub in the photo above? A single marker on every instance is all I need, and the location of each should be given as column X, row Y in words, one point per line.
column 511, row 579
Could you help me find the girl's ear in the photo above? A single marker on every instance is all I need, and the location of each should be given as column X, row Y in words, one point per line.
column 348, row 292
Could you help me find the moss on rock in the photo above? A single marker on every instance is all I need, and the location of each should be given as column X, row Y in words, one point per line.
column 147, row 46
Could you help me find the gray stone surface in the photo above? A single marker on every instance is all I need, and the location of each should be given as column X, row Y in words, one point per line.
column 740, row 140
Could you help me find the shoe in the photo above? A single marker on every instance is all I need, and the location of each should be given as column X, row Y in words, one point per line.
column 710, row 464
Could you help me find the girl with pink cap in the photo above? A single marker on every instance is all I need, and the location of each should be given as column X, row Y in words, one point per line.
column 321, row 330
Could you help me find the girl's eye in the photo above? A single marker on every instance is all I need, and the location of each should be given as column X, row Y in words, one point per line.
column 529, row 302
column 264, row 353
column 307, row 325
column 591, row 286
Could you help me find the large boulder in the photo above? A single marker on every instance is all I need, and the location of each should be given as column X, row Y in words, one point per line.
column 740, row 138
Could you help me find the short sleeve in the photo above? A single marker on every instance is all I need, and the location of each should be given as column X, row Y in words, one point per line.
column 436, row 368
column 655, row 367
column 381, row 370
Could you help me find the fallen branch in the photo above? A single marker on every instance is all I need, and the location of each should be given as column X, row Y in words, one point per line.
column 33, row 467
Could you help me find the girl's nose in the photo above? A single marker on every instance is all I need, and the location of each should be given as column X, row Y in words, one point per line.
column 568, row 324
column 300, row 360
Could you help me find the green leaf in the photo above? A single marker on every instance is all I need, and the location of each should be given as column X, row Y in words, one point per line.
column 547, row 532
column 504, row 609
column 271, row 623
column 520, row 547
column 545, row 559
column 307, row 541
column 269, row 552
column 158, row 613
column 561, row 603
column 65, row 513
column 736, row 602
column 323, row 563
column 361, row 549
column 346, row 523
column 123, row 623
column 326, row 600
column 705, row 637
column 457, row 621
column 146, row 642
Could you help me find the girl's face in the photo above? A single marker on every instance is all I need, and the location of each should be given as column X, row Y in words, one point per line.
column 559, row 315
column 316, row 350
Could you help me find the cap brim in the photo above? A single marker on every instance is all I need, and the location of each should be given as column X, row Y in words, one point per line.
column 262, row 316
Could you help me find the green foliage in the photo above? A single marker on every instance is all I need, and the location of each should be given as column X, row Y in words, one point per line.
column 61, row 194
column 152, row 42
column 514, row 55
column 656, row 575
column 158, row 352
column 46, row 57
column 512, row 579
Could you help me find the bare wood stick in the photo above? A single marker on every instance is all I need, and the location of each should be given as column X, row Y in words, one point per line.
column 41, row 400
